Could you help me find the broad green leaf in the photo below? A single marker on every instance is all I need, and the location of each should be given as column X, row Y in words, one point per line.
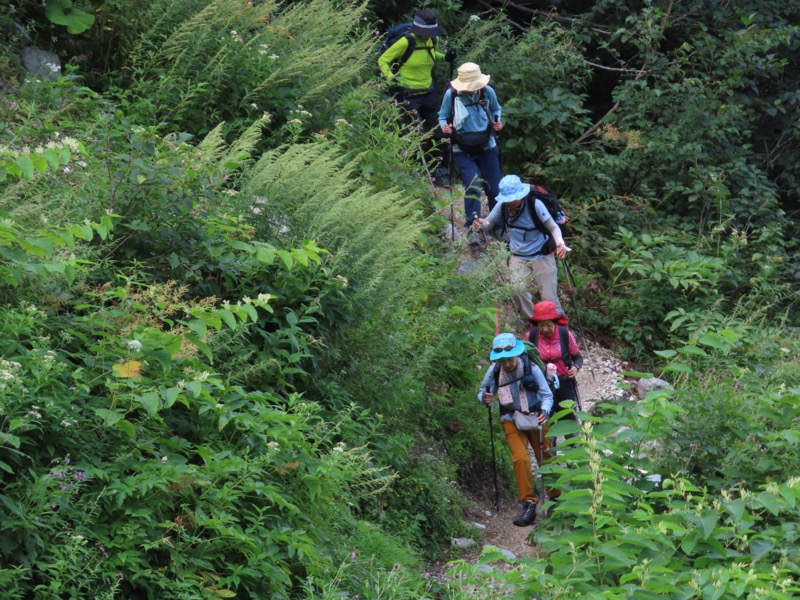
column 195, row 387
column 228, row 317
column 62, row 12
column 204, row 348
column 679, row 367
column 770, row 502
column 149, row 400
column 759, row 548
column 214, row 321
column 615, row 553
column 637, row 375
column 127, row 427
column 110, row 417
column 665, row 353
column 238, row 245
column 714, row 340
column 170, row 395
column 26, row 164
column 39, row 163
column 692, row 350
column 198, row 326
column 10, row 439
column 736, row 508
column 265, row 254
column 707, row 522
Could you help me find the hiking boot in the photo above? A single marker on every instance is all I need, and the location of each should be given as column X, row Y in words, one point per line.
column 528, row 514
column 441, row 178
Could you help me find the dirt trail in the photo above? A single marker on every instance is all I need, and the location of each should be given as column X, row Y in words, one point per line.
column 598, row 379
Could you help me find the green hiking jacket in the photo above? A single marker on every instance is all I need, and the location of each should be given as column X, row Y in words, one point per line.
column 416, row 73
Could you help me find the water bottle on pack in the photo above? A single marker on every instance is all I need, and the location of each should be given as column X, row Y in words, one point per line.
column 552, row 378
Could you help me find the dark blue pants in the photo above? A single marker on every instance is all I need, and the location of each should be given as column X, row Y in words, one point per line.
column 421, row 106
column 479, row 171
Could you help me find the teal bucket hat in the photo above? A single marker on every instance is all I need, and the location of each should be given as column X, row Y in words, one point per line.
column 506, row 345
column 512, row 188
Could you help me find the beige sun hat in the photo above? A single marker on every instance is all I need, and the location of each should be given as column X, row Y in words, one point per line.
column 470, row 78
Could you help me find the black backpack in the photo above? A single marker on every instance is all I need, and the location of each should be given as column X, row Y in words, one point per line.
column 471, row 142
column 553, row 207
column 527, row 367
column 392, row 35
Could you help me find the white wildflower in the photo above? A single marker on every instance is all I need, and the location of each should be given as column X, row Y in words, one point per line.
column 295, row 121
column 474, row 18
column 164, row 459
column 274, row 56
column 254, row 105
column 66, row 170
column 135, row 345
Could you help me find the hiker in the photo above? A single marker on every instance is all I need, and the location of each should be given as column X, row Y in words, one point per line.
column 523, row 395
column 412, row 82
column 557, row 345
column 470, row 115
column 535, row 241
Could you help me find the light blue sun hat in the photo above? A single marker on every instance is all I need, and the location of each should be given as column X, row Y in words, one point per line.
column 506, row 345
column 512, row 188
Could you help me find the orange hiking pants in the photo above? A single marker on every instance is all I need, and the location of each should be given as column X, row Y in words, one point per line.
column 518, row 442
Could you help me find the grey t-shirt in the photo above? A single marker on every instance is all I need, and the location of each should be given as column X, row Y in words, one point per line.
column 523, row 243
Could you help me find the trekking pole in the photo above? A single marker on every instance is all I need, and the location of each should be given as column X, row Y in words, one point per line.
column 494, row 459
column 571, row 289
column 452, row 176
column 541, row 454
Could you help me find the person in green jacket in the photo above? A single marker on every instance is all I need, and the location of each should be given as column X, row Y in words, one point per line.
column 412, row 82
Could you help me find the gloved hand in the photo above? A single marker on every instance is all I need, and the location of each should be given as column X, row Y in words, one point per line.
column 450, row 55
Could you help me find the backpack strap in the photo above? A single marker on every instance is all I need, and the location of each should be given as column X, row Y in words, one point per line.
column 481, row 101
column 526, row 370
column 412, row 45
column 563, row 334
column 549, row 245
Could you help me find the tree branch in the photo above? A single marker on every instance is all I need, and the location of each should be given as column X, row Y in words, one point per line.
column 545, row 14
column 641, row 73
column 514, row 24
column 615, row 69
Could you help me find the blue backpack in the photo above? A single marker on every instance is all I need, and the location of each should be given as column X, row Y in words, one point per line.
column 392, row 35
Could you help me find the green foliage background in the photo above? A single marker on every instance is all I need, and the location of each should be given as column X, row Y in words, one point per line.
column 238, row 361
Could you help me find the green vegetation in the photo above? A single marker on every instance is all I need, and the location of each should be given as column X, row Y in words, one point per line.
column 237, row 360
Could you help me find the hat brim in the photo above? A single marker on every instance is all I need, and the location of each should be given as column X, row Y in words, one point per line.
column 515, row 351
column 427, row 31
column 545, row 317
column 470, row 86
column 511, row 197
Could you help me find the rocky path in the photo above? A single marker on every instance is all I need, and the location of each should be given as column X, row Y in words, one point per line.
column 494, row 527
column 599, row 378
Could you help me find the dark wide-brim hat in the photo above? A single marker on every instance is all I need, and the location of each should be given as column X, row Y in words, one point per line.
column 426, row 24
